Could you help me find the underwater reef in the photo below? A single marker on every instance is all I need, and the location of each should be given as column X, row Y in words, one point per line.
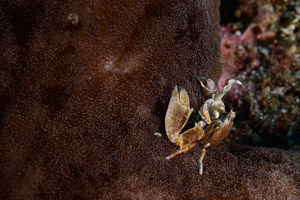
column 86, row 84
column 261, row 47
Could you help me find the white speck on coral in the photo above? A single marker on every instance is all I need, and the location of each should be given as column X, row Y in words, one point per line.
column 109, row 66
column 73, row 18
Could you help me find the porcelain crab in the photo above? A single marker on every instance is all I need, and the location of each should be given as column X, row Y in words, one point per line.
column 214, row 126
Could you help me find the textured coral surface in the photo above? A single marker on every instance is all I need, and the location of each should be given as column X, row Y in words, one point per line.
column 84, row 86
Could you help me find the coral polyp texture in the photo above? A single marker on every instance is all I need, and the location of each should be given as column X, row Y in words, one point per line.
column 85, row 84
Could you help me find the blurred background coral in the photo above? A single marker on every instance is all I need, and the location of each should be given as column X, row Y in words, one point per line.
column 260, row 46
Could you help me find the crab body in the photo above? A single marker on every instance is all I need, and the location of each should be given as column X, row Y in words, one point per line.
column 211, row 130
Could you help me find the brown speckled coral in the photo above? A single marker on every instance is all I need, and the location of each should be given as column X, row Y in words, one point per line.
column 84, row 86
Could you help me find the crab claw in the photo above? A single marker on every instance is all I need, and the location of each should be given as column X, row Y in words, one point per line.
column 204, row 112
column 178, row 113
column 208, row 87
column 218, row 130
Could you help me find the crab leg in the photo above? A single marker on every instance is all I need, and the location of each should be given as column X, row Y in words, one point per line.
column 226, row 89
column 202, row 155
column 181, row 150
column 158, row 134
column 187, row 140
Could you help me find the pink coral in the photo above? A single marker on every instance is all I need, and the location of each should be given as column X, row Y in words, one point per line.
column 238, row 52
